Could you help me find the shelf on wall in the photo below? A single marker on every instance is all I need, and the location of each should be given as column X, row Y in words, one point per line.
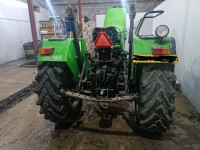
column 55, row 29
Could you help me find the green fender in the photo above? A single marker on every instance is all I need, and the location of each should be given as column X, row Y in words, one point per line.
column 144, row 47
column 64, row 51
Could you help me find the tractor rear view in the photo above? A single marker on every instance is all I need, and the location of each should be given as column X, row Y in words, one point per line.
column 67, row 74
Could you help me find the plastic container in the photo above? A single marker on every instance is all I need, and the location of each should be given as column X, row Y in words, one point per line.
column 68, row 24
column 29, row 50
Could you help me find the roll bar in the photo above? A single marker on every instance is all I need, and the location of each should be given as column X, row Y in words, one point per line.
column 137, row 31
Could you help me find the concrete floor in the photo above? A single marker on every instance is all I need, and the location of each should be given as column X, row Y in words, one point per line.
column 14, row 78
column 23, row 128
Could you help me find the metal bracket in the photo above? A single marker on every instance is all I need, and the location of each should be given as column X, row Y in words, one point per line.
column 87, row 56
column 125, row 73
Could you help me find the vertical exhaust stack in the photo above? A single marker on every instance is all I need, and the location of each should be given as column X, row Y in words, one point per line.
column 75, row 36
column 132, row 14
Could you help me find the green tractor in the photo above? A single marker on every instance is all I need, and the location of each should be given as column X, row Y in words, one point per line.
column 142, row 76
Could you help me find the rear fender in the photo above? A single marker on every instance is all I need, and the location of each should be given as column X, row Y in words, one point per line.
column 64, row 51
column 143, row 54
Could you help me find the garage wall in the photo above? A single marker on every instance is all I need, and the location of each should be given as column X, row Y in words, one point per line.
column 182, row 17
column 145, row 30
column 15, row 28
column 91, row 9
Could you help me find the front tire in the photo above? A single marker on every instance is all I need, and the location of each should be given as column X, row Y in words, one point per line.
column 156, row 104
column 57, row 108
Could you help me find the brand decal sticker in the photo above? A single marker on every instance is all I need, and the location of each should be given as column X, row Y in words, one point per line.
column 55, row 57
column 51, row 58
column 45, row 58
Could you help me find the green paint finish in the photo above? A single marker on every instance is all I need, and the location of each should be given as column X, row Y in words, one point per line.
column 144, row 47
column 64, row 51
column 117, row 17
column 133, row 76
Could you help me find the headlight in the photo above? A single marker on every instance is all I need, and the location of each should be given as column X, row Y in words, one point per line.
column 162, row 31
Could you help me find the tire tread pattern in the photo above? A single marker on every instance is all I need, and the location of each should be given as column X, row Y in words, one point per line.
column 57, row 108
column 156, row 98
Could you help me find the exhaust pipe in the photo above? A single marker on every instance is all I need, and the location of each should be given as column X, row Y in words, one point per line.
column 132, row 14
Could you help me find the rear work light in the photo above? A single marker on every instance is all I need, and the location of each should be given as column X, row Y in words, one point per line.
column 46, row 51
column 160, row 50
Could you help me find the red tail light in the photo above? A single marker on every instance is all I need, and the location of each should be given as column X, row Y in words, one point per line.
column 46, row 51
column 103, row 40
column 160, row 50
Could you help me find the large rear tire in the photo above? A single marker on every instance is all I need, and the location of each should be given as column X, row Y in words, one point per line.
column 156, row 104
column 57, row 108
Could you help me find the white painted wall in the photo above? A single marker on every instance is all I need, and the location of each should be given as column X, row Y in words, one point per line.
column 145, row 30
column 182, row 17
column 15, row 28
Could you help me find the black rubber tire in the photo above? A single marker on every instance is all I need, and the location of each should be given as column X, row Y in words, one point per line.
column 57, row 108
column 156, row 104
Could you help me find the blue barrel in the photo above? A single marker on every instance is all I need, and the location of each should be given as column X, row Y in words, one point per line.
column 68, row 24
column 29, row 50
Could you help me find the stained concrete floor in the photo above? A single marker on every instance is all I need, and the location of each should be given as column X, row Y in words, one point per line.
column 23, row 128
column 14, row 78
